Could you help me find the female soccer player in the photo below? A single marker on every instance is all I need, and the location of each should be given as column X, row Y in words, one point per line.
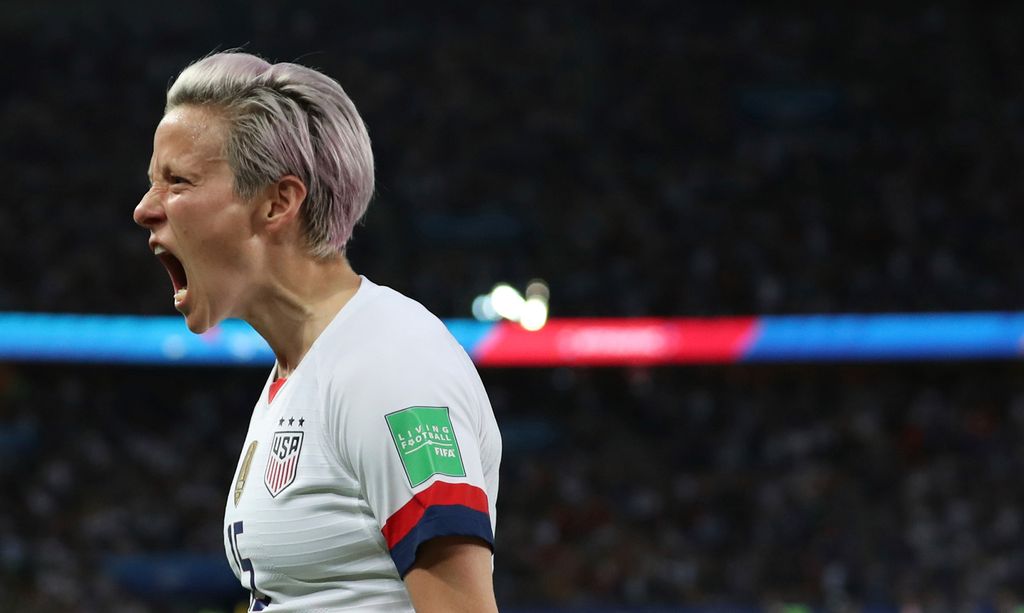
column 369, row 474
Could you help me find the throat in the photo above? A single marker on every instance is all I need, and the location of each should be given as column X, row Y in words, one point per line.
column 282, row 372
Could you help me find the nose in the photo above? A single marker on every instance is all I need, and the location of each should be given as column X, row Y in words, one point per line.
column 149, row 211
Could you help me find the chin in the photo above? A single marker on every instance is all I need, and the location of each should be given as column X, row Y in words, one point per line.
column 196, row 327
column 197, row 324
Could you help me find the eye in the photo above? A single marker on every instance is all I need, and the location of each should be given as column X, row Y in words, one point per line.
column 176, row 180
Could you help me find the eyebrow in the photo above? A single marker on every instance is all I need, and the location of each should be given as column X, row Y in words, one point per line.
column 163, row 171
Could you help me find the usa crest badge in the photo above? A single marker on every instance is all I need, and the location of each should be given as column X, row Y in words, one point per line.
column 283, row 461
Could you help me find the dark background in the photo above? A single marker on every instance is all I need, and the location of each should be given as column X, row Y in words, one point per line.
column 645, row 158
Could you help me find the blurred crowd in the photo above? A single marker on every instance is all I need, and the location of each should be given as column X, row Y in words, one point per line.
column 848, row 488
column 647, row 158
column 843, row 488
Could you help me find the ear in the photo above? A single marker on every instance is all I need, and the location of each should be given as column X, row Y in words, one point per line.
column 279, row 210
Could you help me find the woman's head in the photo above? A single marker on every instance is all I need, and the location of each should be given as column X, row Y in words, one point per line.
column 286, row 119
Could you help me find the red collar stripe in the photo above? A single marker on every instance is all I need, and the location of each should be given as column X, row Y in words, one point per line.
column 275, row 387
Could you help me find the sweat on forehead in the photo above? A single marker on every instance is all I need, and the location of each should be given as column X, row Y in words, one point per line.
column 187, row 139
column 199, row 121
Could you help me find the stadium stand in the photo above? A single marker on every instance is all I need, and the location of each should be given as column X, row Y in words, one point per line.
column 649, row 158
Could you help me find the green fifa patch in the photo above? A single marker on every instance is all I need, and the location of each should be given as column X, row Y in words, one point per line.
column 426, row 443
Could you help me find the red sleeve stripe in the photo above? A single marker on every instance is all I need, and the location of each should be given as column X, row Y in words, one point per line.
column 440, row 493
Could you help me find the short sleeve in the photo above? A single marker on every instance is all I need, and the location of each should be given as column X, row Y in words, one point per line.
column 413, row 439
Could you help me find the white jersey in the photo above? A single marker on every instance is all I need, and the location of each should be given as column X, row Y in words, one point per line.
column 380, row 440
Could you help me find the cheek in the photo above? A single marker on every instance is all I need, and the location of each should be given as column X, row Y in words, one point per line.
column 222, row 242
column 206, row 215
column 185, row 213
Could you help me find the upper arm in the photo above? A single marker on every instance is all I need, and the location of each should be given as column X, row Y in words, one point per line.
column 452, row 574
column 412, row 441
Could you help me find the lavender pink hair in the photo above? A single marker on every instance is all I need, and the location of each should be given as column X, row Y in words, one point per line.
column 288, row 119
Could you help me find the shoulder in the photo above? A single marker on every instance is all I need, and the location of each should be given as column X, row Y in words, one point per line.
column 400, row 313
column 388, row 339
column 396, row 328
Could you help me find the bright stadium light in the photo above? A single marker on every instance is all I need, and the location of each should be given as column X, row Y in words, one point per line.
column 535, row 314
column 538, row 289
column 535, row 310
column 507, row 302
column 483, row 308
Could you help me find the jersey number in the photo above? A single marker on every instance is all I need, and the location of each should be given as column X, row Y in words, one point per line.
column 257, row 599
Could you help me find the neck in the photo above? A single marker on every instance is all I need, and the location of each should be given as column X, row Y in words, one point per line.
column 297, row 302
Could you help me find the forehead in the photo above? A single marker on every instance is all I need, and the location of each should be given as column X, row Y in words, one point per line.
column 191, row 132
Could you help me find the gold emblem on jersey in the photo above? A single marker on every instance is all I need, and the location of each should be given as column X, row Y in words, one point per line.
column 243, row 472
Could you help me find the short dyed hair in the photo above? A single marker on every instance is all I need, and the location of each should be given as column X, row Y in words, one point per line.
column 288, row 119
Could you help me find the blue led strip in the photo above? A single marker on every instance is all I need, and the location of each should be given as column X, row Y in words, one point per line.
column 126, row 339
column 43, row 337
column 926, row 336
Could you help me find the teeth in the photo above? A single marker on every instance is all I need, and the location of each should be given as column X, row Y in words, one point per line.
column 179, row 296
column 159, row 249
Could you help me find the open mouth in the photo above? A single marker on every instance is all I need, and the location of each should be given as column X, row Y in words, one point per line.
column 176, row 271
